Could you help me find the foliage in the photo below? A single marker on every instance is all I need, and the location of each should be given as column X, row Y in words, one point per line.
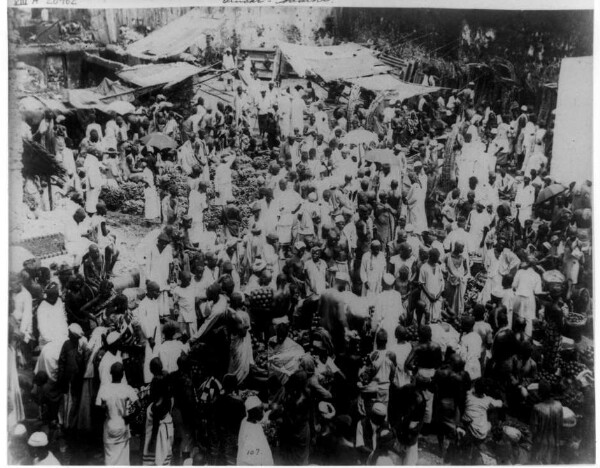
column 39, row 162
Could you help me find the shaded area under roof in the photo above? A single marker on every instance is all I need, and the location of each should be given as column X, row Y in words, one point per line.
column 332, row 63
column 158, row 73
column 176, row 37
column 394, row 87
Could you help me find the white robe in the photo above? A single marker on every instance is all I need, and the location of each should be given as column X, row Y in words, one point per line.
column 52, row 322
column 253, row 446
column 147, row 316
column 416, row 207
column 372, row 270
column 525, row 196
column 285, row 115
column 478, row 222
column 157, row 267
column 94, row 182
column 197, row 205
column 151, row 199
column 387, row 313
column 298, row 109
column 186, row 157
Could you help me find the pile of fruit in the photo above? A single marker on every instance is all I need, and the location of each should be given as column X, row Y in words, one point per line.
column 587, row 356
column 552, row 379
column 573, row 398
column 259, row 351
column 261, row 299
column 571, row 368
column 133, row 207
column 413, row 333
column 498, row 431
column 115, row 198
column 575, row 319
column 261, row 163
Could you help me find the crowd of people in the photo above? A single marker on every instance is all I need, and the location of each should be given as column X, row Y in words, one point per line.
column 359, row 307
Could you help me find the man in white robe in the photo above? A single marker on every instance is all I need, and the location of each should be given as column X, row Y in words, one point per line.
column 524, row 200
column 93, row 182
column 285, row 114
column 158, row 269
column 478, row 221
column 298, row 108
column 372, row 269
column 52, row 319
column 223, row 180
column 388, row 309
column 322, row 120
column 253, row 446
column 147, row 318
column 415, row 201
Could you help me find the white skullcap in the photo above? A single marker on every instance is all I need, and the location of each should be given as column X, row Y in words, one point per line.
column 38, row 439
column 388, row 279
column 252, row 402
column 379, row 409
column 76, row 329
column 112, row 337
column 327, row 410
column 300, row 245
column 19, row 430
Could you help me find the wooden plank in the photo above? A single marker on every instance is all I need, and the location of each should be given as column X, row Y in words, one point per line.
column 97, row 60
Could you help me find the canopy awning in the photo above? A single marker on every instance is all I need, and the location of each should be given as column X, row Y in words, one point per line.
column 86, row 99
column 177, row 36
column 113, row 91
column 395, row 87
column 158, row 73
column 331, row 63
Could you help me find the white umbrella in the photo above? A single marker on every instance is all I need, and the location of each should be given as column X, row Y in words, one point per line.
column 358, row 136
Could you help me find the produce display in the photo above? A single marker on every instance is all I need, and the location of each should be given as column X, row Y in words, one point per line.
column 261, row 299
column 552, row 379
column 575, row 319
column 115, row 197
column 572, row 398
column 571, row 368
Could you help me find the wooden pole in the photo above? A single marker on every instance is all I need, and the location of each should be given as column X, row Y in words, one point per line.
column 49, row 179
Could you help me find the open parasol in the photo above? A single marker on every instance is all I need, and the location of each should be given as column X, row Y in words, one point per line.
column 358, row 136
column 382, row 156
column 159, row 140
column 550, row 192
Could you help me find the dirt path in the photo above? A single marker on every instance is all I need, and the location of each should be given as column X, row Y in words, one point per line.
column 130, row 230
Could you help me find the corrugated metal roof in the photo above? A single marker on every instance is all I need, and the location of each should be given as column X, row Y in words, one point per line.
column 158, row 73
column 176, row 37
column 397, row 88
column 331, row 63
